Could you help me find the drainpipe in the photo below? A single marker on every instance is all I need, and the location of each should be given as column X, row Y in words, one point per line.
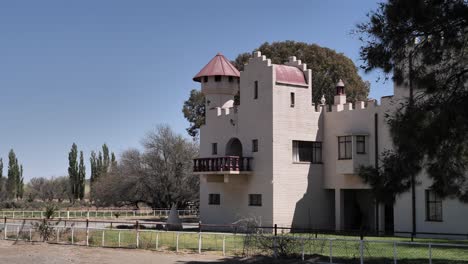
column 376, row 164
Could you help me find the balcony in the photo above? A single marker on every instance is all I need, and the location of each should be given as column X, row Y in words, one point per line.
column 222, row 165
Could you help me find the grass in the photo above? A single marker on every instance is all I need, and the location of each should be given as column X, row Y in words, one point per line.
column 343, row 249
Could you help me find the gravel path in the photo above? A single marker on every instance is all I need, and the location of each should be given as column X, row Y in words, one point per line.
column 41, row 253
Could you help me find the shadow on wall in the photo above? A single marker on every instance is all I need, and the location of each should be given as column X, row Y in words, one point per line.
column 315, row 210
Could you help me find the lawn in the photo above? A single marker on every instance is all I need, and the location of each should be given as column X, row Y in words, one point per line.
column 344, row 249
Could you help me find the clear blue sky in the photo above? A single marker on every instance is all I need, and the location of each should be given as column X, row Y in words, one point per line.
column 109, row 71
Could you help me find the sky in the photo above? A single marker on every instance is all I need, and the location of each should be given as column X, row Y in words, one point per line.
column 109, row 71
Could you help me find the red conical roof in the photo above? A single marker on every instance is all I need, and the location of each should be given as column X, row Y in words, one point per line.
column 219, row 65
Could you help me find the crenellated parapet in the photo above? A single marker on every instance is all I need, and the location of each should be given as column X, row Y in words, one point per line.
column 359, row 105
column 258, row 58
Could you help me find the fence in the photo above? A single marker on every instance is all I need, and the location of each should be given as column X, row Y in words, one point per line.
column 301, row 246
column 107, row 214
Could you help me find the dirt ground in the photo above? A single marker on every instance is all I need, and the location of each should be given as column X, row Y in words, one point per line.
column 41, row 253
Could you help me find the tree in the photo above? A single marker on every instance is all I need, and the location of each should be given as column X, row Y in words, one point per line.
column 73, row 172
column 113, row 162
column 327, row 66
column 106, row 159
column 425, row 45
column 160, row 176
column 3, row 194
column 81, row 177
column 13, row 175
column 194, row 112
column 20, row 183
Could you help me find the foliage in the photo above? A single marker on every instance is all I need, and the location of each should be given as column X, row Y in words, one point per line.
column 160, row 176
column 327, row 66
column 48, row 189
column 425, row 45
column 73, row 172
column 81, row 177
column 14, row 185
column 194, row 112
column 101, row 165
column 46, row 227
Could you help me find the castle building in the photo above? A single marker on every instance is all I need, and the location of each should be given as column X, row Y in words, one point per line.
column 267, row 152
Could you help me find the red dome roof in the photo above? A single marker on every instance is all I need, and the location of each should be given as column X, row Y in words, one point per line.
column 219, row 65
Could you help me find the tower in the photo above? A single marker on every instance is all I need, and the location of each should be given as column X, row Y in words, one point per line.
column 219, row 82
column 340, row 96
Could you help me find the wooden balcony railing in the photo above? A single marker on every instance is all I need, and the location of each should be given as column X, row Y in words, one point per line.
column 228, row 163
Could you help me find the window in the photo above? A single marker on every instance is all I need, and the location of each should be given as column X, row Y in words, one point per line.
column 256, row 90
column 255, row 200
column 344, row 147
column 214, row 148
column 255, row 145
column 307, row 151
column 205, row 79
column 360, row 144
column 214, row 198
column 217, row 78
column 231, row 79
column 293, row 99
column 433, row 206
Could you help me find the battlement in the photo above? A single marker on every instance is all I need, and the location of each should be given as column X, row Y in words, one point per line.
column 296, row 63
column 257, row 57
column 359, row 105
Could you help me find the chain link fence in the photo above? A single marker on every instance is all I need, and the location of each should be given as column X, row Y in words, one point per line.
column 285, row 245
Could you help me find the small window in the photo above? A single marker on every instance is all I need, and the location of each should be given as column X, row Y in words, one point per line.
column 217, row 78
column 256, row 90
column 214, row 148
column 205, row 79
column 360, row 144
column 344, row 148
column 307, row 151
column 433, row 207
column 255, row 145
column 231, row 79
column 293, row 100
column 214, row 198
column 255, row 200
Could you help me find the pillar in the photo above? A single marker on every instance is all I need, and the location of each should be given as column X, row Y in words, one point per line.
column 339, row 212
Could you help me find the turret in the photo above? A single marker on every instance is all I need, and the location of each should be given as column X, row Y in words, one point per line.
column 340, row 96
column 219, row 82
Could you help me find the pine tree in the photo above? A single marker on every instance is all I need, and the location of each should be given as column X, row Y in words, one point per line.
column 81, row 177
column 1, row 176
column 73, row 172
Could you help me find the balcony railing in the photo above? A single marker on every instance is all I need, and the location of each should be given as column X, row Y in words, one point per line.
column 227, row 164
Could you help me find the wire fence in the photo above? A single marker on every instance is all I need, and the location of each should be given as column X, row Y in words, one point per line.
column 105, row 214
column 303, row 246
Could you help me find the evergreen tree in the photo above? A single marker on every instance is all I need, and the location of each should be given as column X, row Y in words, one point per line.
column 13, row 176
column 424, row 45
column 73, row 172
column 1, row 179
column 81, row 177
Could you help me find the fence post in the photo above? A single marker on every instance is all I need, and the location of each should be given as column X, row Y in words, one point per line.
column 73, row 235
column 177, row 242
column 17, row 232
column 58, row 235
column 157, row 240
column 303, row 248
column 103, row 235
column 199, row 243
column 13, row 214
column 87, row 232
column 394, row 253
column 361, row 250
column 137, row 235
column 30, row 235
column 119, row 238
column 5, row 225
column 224, row 245
column 430, row 253
column 6, row 231
column 42, row 214
column 331, row 251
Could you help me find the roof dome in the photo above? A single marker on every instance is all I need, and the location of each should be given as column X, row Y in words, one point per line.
column 219, row 65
